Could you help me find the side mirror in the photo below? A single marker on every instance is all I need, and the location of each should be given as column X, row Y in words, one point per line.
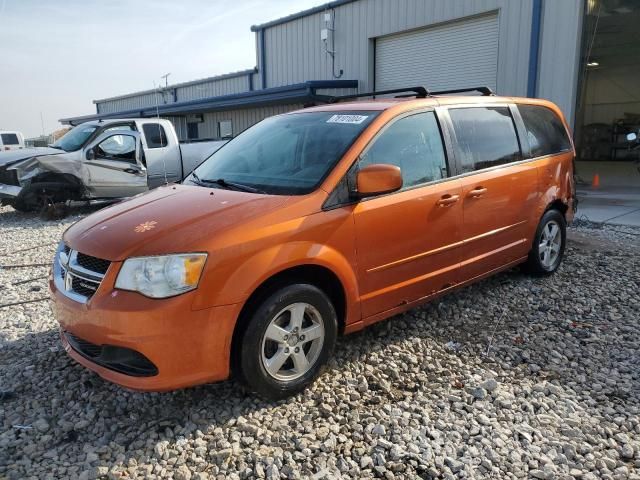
column 377, row 179
column 91, row 154
column 632, row 137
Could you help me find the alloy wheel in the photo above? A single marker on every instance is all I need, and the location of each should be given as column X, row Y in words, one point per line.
column 550, row 244
column 293, row 341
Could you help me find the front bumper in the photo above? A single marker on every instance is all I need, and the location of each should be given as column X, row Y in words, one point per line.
column 187, row 347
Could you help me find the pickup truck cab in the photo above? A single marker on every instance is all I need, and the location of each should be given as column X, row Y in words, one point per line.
column 11, row 140
column 99, row 160
column 309, row 225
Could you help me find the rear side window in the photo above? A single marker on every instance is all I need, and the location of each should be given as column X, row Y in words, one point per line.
column 155, row 135
column 486, row 137
column 545, row 131
column 9, row 138
column 415, row 145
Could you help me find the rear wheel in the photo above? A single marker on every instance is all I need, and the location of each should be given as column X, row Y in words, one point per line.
column 549, row 243
column 287, row 340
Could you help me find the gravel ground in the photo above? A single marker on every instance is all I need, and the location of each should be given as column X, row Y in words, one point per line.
column 510, row 378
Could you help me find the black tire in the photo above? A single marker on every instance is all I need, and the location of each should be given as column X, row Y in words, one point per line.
column 25, row 205
column 541, row 262
column 253, row 345
column 29, row 200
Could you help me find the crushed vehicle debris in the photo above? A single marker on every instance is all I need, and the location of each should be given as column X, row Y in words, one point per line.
column 99, row 160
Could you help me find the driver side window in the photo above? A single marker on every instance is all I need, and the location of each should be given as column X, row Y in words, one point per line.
column 415, row 145
column 117, row 147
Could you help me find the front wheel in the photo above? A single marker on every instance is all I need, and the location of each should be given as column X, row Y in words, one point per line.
column 548, row 244
column 287, row 340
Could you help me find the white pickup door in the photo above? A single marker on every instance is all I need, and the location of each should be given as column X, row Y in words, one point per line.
column 161, row 154
column 113, row 165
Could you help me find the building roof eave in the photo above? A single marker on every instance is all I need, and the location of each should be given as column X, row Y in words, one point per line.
column 241, row 73
column 299, row 92
column 304, row 13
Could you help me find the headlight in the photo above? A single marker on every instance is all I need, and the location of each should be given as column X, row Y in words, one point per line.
column 162, row 276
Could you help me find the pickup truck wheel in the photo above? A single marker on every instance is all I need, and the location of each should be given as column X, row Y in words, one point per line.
column 548, row 244
column 40, row 198
column 287, row 341
column 27, row 201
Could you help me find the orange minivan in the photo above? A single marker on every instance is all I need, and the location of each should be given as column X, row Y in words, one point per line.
column 309, row 225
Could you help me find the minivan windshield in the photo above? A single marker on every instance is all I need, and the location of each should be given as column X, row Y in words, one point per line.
column 74, row 139
column 285, row 155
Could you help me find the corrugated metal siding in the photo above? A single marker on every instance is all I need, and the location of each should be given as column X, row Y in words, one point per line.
column 295, row 52
column 560, row 54
column 454, row 55
column 180, row 125
column 240, row 119
column 213, row 88
column 130, row 103
column 194, row 91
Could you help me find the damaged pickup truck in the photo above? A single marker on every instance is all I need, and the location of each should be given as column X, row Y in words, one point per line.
column 100, row 160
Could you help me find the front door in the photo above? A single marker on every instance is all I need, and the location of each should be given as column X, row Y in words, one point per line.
column 407, row 241
column 498, row 190
column 113, row 167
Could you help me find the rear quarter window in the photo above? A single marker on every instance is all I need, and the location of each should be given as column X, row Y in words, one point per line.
column 155, row 135
column 545, row 131
column 9, row 139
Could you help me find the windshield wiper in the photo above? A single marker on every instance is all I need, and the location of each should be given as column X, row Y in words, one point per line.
column 226, row 184
column 196, row 179
column 238, row 186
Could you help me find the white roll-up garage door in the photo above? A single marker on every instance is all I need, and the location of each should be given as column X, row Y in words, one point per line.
column 455, row 55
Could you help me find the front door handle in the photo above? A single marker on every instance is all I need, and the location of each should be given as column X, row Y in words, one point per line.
column 132, row 171
column 447, row 200
column 477, row 192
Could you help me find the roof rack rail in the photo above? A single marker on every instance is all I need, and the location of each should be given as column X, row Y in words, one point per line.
column 485, row 91
column 418, row 92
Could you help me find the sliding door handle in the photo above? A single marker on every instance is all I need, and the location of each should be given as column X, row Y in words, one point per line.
column 477, row 192
column 447, row 200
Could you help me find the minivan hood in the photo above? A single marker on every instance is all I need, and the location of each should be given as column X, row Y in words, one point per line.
column 169, row 219
column 11, row 156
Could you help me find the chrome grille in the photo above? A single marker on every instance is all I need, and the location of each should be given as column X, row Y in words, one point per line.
column 92, row 263
column 77, row 275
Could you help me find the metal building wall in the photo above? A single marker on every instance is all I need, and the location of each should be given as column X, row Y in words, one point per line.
column 207, row 87
column 240, row 119
column 129, row 103
column 295, row 52
column 213, row 88
column 559, row 61
column 180, row 125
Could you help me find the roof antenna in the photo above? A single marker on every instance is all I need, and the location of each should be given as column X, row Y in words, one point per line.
column 166, row 79
column 164, row 162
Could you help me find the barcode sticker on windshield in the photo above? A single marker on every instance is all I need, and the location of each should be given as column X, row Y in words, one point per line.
column 357, row 119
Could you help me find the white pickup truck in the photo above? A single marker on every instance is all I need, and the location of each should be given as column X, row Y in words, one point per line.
column 11, row 140
column 99, row 160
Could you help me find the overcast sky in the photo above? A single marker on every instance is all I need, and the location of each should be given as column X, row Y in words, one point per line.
column 56, row 56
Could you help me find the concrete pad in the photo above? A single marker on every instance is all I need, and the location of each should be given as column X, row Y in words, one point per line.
column 614, row 205
column 630, row 219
